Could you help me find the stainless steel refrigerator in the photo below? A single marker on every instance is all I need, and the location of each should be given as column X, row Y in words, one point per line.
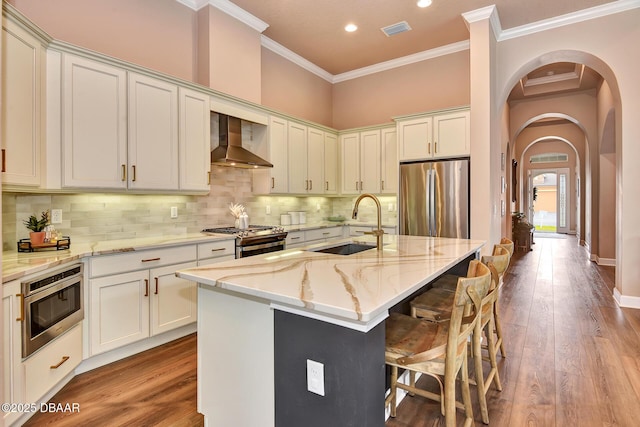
column 434, row 198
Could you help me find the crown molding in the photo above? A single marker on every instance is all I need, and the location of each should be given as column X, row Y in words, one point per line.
column 295, row 58
column 230, row 9
column 405, row 60
column 484, row 13
column 570, row 18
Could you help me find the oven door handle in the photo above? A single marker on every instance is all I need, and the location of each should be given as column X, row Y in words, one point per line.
column 21, row 318
column 261, row 246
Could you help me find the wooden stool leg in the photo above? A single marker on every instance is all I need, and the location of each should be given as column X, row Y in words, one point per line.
column 498, row 330
column 493, row 356
column 466, row 395
column 479, row 375
column 394, row 390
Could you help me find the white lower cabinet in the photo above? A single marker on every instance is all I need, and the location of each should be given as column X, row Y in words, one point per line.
column 130, row 306
column 213, row 252
column 12, row 352
column 300, row 238
column 44, row 369
column 29, row 380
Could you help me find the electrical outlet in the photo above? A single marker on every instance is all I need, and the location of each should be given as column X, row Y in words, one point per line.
column 174, row 212
column 390, row 207
column 317, row 207
column 268, row 210
column 56, row 216
column 315, row 377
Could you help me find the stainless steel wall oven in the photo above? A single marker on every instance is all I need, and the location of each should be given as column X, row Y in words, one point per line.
column 52, row 304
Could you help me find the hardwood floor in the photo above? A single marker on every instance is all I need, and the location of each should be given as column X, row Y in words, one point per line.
column 573, row 359
column 153, row 388
column 573, row 356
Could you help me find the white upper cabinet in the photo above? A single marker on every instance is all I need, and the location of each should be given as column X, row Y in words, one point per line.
column 23, row 77
column 94, row 128
column 194, row 140
column 277, row 176
column 330, row 163
column 370, row 153
column 415, row 139
column 315, row 161
column 153, row 134
column 451, row 134
column 434, row 136
column 350, row 163
column 306, row 159
column 361, row 162
column 297, row 147
column 389, row 161
column 121, row 130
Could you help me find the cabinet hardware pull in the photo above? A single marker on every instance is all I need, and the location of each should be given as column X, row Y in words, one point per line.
column 435, row 147
column 429, row 148
column 151, row 259
column 360, row 185
column 64, row 359
column 21, row 318
column 146, row 287
column 356, row 185
column 208, row 178
column 273, row 183
column 4, row 160
column 326, row 186
column 325, row 233
column 134, row 173
column 310, row 184
column 361, row 231
column 306, row 184
column 156, row 292
column 383, row 184
column 217, row 249
column 295, row 238
column 124, row 173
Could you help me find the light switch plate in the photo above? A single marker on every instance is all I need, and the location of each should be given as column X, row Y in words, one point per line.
column 174, row 212
column 315, row 377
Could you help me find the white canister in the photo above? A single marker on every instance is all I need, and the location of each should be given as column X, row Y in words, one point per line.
column 285, row 219
column 303, row 217
column 295, row 217
column 244, row 221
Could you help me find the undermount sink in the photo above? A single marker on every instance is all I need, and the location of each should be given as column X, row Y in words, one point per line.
column 345, row 249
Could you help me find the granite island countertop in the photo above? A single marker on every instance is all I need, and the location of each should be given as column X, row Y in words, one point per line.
column 353, row 290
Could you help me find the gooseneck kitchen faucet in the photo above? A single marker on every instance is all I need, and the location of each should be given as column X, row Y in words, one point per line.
column 379, row 232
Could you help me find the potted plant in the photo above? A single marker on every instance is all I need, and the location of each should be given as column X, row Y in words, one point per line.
column 37, row 227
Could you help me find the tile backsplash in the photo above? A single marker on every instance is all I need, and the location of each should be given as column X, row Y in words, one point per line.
column 89, row 217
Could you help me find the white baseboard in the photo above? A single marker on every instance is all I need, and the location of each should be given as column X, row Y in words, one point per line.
column 626, row 301
column 605, row 261
column 134, row 348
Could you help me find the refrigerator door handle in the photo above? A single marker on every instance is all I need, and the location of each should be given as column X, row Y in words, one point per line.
column 432, row 222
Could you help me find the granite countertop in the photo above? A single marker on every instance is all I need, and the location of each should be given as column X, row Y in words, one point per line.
column 19, row 264
column 356, row 289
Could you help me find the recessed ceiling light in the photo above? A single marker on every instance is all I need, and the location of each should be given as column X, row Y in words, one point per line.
column 350, row 28
column 424, row 3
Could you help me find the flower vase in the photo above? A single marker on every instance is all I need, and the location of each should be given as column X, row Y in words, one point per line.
column 237, row 223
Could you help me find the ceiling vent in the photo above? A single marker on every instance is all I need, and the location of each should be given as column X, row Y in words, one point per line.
column 394, row 29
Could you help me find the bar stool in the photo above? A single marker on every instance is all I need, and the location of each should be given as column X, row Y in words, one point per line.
column 439, row 349
column 432, row 305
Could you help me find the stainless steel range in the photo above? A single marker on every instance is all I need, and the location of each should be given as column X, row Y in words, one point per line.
column 255, row 240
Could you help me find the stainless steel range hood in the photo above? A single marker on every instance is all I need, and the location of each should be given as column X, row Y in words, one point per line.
column 230, row 152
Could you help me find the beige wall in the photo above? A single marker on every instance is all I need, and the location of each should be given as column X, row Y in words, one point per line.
column 234, row 56
column 437, row 83
column 609, row 46
column 293, row 90
column 158, row 34
column 579, row 107
column 607, row 171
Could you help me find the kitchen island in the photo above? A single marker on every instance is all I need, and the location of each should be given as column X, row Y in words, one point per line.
column 261, row 318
